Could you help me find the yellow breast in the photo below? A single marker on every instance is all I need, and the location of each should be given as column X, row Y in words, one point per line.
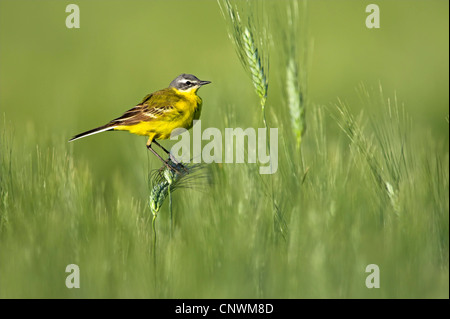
column 193, row 105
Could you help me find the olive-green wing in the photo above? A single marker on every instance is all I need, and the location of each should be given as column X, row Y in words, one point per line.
column 152, row 107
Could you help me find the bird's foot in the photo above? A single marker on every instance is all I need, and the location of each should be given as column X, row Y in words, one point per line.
column 177, row 163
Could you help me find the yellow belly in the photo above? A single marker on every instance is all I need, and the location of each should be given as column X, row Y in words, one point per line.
column 161, row 129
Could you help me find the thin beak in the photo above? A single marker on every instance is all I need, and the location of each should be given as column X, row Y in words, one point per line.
column 204, row 82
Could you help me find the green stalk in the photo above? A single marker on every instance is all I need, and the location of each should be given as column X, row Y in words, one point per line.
column 170, row 210
column 154, row 241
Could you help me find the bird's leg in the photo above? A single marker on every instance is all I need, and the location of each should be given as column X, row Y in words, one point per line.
column 171, row 157
column 149, row 146
column 163, row 148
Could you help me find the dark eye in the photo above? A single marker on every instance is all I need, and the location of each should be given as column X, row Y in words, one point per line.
column 188, row 82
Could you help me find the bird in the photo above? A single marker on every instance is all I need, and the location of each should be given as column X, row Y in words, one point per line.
column 159, row 113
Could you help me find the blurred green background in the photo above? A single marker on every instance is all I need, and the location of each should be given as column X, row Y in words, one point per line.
column 56, row 82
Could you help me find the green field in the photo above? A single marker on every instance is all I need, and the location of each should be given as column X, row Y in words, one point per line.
column 369, row 184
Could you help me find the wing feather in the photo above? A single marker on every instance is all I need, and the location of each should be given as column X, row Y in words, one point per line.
column 152, row 107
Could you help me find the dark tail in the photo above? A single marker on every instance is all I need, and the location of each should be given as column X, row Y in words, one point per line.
column 92, row 132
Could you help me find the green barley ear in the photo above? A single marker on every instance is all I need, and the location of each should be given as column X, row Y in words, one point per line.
column 159, row 192
column 295, row 101
column 386, row 152
column 164, row 181
column 253, row 61
column 248, row 31
column 294, row 40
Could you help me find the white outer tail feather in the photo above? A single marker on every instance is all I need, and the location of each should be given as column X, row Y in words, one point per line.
column 92, row 133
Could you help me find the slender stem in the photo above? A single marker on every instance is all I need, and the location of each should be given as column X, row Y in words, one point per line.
column 162, row 147
column 274, row 211
column 170, row 210
column 154, row 241
column 263, row 108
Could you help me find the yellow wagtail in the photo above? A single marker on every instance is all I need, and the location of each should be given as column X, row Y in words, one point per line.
column 159, row 113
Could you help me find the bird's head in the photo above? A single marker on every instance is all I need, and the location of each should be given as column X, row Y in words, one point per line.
column 187, row 83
